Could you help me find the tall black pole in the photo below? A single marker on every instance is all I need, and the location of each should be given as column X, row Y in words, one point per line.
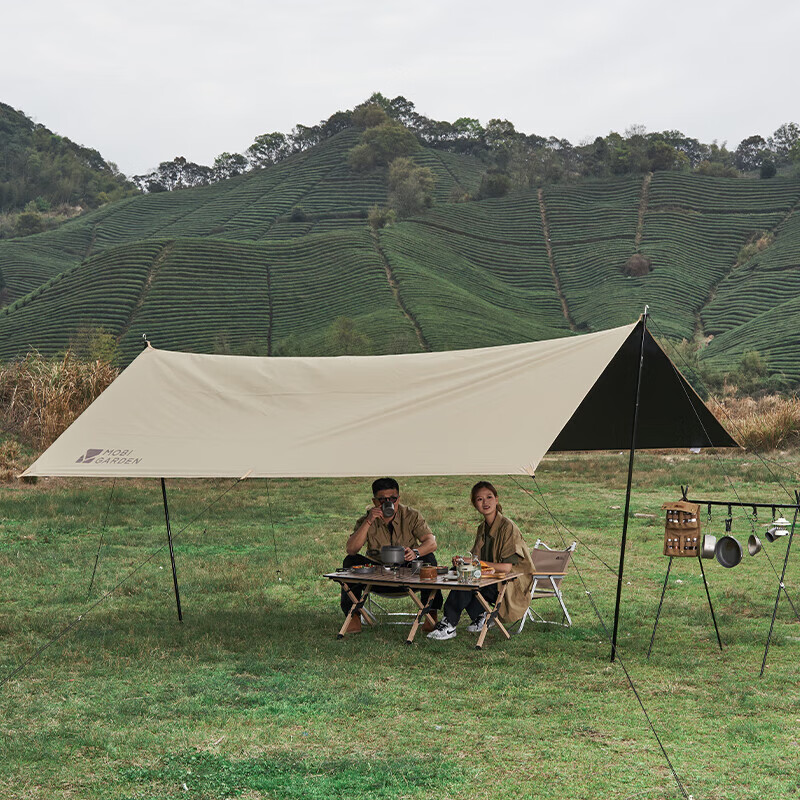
column 780, row 586
column 634, row 428
column 171, row 551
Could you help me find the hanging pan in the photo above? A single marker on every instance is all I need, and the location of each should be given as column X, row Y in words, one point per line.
column 728, row 551
column 709, row 545
column 753, row 544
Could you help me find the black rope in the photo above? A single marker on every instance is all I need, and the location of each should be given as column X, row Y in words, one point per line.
column 102, row 533
column 274, row 540
column 619, row 657
column 565, row 526
column 111, row 591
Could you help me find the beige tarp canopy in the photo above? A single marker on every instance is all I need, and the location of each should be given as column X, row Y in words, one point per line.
column 486, row 411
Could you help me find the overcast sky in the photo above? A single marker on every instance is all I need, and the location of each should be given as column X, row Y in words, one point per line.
column 148, row 80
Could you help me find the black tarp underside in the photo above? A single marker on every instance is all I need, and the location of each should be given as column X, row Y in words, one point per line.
column 671, row 414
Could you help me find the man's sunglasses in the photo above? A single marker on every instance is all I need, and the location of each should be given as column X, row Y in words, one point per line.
column 387, row 499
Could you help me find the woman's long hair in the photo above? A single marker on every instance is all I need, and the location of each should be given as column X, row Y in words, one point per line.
column 484, row 485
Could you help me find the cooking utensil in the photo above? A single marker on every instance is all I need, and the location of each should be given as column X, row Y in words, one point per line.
column 753, row 544
column 416, row 564
column 393, row 555
column 709, row 546
column 728, row 551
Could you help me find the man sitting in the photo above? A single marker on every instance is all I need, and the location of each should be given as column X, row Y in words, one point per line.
column 403, row 526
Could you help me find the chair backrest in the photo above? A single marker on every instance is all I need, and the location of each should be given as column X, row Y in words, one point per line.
column 549, row 561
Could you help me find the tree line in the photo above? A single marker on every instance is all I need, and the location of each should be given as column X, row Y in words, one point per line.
column 513, row 159
column 43, row 175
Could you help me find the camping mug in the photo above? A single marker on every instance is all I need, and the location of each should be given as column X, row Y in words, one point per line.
column 709, row 545
column 753, row 544
column 415, row 566
column 387, row 509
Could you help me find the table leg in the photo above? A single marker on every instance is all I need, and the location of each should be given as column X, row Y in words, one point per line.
column 424, row 611
column 355, row 608
column 492, row 616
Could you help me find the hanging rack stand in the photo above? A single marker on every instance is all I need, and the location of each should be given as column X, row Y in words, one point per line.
column 781, row 585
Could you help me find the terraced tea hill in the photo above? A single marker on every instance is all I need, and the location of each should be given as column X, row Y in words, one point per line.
column 592, row 228
column 249, row 207
column 693, row 232
column 476, row 274
column 207, row 296
column 100, row 293
column 266, row 263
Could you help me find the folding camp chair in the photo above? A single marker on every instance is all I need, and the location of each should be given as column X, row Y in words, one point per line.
column 551, row 567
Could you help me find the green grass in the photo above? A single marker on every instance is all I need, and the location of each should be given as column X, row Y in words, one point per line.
column 253, row 695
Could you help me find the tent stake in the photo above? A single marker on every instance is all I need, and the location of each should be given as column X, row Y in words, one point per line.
column 628, row 488
column 171, row 551
column 780, row 586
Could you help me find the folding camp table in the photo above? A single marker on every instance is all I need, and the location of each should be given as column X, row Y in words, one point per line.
column 403, row 579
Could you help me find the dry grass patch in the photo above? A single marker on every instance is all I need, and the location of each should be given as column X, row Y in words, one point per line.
column 764, row 424
column 41, row 397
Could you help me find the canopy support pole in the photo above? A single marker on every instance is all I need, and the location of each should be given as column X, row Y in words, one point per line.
column 780, row 586
column 634, row 429
column 171, row 551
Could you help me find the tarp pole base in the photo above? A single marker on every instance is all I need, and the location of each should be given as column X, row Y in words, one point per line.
column 634, row 428
column 171, row 551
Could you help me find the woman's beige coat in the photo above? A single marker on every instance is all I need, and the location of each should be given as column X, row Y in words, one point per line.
column 507, row 541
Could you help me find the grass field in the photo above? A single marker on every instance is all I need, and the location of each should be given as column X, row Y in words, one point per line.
column 254, row 697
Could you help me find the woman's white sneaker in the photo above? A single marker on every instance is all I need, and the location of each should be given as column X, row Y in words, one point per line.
column 444, row 630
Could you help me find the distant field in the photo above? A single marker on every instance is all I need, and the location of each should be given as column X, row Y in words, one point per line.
column 253, row 696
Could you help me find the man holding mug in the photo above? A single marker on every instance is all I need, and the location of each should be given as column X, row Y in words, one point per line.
column 389, row 522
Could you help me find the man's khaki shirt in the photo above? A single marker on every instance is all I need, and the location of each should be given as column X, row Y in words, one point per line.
column 409, row 527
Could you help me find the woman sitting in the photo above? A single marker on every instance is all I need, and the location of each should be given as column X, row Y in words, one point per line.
column 500, row 545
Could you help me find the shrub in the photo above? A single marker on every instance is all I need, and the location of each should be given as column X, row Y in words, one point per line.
column 361, row 158
column 344, row 339
column 768, row 169
column 494, row 184
column 637, row 265
column 410, row 187
column 379, row 217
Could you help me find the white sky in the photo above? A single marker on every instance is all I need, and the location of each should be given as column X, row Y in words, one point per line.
column 147, row 80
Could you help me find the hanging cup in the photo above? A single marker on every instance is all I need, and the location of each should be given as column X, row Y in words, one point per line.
column 753, row 544
column 709, row 545
column 771, row 534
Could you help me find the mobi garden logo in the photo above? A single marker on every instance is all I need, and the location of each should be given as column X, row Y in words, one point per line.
column 97, row 455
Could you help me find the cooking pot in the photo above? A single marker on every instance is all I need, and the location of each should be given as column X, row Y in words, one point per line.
column 728, row 551
column 753, row 544
column 393, row 555
column 709, row 545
